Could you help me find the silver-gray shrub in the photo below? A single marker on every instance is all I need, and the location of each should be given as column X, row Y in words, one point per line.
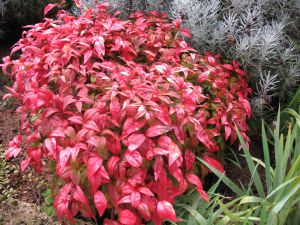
column 263, row 35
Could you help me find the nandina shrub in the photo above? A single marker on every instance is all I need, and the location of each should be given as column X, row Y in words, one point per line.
column 121, row 108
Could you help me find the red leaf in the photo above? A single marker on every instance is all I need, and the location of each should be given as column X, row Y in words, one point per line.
column 131, row 125
column 94, row 163
column 186, row 33
column 135, row 199
column 164, row 142
column 134, row 158
column 62, row 201
column 110, row 222
column 144, row 210
column 91, row 125
column 211, row 60
column 99, row 47
column 239, row 71
column 177, row 23
column 157, row 130
column 174, row 153
column 50, row 145
column 166, row 211
column 78, row 106
column 145, row 191
column 127, row 217
column 64, row 156
column 78, row 3
column 58, row 133
column 14, row 147
column 135, row 141
column 158, row 167
column 87, row 55
column 228, row 66
column 12, row 151
column 227, row 132
column 111, row 164
column 25, row 163
column 93, row 171
column 214, row 163
column 79, row 196
column 125, row 199
column 193, row 179
column 90, row 114
column 189, row 158
column 48, row 8
column 100, row 202
column 76, row 119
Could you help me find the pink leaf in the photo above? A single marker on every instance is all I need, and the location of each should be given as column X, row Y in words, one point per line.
column 214, row 163
column 91, row 125
column 145, row 191
column 48, row 8
column 144, row 210
column 87, row 55
column 79, row 196
column 193, row 179
column 25, row 163
column 174, row 153
column 135, row 141
column 166, row 211
column 62, row 201
column 78, row 3
column 51, row 145
column 158, row 167
column 111, row 164
column 127, row 217
column 99, row 47
column 135, row 199
column 14, row 147
column 76, row 119
column 186, row 33
column 64, row 156
column 93, row 171
column 94, row 163
column 227, row 132
column 100, row 202
column 12, row 151
column 110, row 222
column 131, row 125
column 134, row 158
column 189, row 158
column 157, row 130
column 164, row 142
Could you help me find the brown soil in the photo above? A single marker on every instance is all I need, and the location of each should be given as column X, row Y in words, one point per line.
column 15, row 212
column 25, row 187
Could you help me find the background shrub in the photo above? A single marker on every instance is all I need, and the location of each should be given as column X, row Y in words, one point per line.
column 118, row 109
column 15, row 13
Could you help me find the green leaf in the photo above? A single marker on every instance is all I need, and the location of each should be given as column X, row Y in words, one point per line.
column 196, row 215
column 251, row 199
column 286, row 197
column 224, row 178
column 233, row 217
column 279, row 161
column 251, row 165
column 266, row 157
column 294, row 171
column 280, row 187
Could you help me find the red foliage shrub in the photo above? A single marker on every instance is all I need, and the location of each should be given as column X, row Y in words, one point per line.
column 121, row 108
